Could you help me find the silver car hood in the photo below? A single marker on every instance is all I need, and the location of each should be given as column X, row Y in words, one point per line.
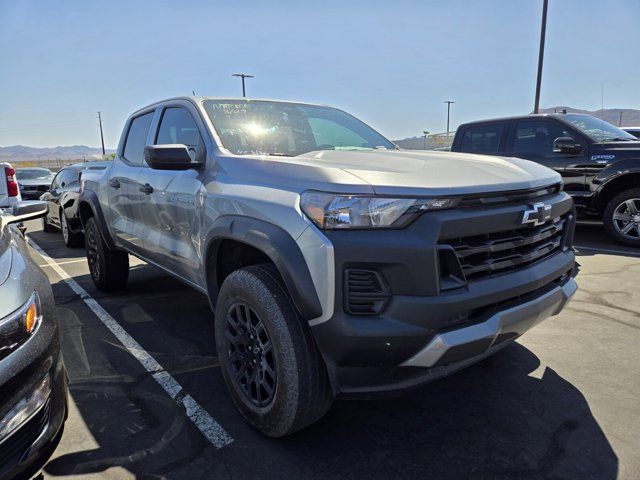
column 402, row 172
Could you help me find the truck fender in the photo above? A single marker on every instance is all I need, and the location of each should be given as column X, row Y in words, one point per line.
column 276, row 244
column 89, row 197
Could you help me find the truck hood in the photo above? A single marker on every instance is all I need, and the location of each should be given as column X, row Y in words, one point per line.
column 393, row 172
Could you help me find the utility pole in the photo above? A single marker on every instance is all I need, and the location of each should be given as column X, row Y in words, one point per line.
column 543, row 32
column 620, row 121
column 448, row 102
column 243, row 76
column 101, row 134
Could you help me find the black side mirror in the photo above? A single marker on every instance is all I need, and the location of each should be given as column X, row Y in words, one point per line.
column 566, row 145
column 169, row 157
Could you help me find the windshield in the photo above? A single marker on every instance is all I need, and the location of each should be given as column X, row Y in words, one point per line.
column 597, row 129
column 33, row 174
column 288, row 129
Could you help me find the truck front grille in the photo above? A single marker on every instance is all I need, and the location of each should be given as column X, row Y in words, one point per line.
column 499, row 252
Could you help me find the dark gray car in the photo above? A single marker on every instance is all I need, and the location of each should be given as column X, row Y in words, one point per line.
column 33, row 181
column 33, row 385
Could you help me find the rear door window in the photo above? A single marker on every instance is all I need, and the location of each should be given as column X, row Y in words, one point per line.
column 137, row 139
column 483, row 138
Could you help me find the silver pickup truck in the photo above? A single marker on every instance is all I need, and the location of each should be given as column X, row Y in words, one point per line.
column 335, row 263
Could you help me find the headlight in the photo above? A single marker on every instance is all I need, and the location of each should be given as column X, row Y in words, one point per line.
column 333, row 211
column 17, row 328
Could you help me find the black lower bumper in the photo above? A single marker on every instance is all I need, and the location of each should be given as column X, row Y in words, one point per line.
column 368, row 354
column 28, row 447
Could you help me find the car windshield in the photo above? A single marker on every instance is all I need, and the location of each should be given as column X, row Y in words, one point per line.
column 248, row 127
column 33, row 174
column 598, row 129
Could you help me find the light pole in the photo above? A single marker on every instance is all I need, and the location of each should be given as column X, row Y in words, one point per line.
column 425, row 133
column 243, row 76
column 448, row 102
column 543, row 30
column 101, row 135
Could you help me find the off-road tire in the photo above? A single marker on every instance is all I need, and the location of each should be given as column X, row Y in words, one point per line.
column 610, row 209
column 71, row 239
column 302, row 391
column 109, row 268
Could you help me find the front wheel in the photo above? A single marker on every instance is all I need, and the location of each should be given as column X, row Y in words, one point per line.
column 269, row 360
column 71, row 239
column 621, row 217
column 109, row 268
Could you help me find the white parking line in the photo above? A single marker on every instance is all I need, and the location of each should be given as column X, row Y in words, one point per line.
column 198, row 415
column 77, row 260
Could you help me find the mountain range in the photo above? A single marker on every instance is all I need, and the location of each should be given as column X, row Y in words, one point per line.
column 19, row 153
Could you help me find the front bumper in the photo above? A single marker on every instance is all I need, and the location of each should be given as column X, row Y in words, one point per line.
column 459, row 344
column 28, row 446
column 427, row 330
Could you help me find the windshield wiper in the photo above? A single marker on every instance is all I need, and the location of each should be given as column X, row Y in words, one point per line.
column 619, row 139
column 279, row 154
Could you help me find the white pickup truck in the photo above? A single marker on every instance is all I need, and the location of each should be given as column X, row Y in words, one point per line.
column 9, row 191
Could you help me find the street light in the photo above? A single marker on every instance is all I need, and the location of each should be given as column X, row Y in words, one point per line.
column 243, row 76
column 543, row 31
column 448, row 102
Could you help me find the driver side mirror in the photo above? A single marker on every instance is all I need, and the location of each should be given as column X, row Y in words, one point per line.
column 566, row 145
column 23, row 211
column 169, row 157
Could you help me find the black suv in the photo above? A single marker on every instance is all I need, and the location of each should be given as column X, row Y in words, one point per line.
column 599, row 163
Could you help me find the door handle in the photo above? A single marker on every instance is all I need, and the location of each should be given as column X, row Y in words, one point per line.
column 146, row 189
column 114, row 183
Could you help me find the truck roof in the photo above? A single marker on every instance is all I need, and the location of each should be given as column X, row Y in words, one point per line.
column 519, row 117
column 198, row 99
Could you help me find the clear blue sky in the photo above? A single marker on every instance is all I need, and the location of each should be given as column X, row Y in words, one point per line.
column 391, row 63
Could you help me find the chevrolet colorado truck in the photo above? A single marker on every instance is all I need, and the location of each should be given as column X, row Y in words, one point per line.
column 335, row 263
column 599, row 162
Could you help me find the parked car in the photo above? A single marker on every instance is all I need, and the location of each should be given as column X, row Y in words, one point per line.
column 599, row 163
column 335, row 263
column 61, row 197
column 635, row 131
column 33, row 381
column 9, row 190
column 33, row 182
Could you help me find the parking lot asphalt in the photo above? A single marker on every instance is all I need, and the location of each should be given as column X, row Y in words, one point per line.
column 562, row 402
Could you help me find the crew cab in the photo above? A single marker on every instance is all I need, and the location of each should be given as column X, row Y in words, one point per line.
column 335, row 263
column 599, row 163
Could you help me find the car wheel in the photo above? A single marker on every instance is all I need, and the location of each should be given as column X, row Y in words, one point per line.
column 109, row 268
column 46, row 226
column 71, row 239
column 621, row 217
column 269, row 360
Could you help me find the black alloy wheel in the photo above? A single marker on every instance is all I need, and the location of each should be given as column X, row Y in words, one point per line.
column 251, row 357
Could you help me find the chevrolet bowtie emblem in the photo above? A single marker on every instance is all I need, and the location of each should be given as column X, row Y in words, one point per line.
column 539, row 214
